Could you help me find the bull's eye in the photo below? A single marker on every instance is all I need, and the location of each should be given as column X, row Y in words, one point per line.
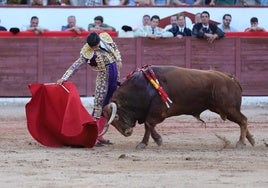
column 116, row 117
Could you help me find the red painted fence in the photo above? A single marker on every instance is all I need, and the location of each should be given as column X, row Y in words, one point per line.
column 26, row 58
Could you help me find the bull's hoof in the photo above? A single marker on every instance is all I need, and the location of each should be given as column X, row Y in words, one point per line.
column 141, row 146
column 251, row 140
column 240, row 144
column 159, row 141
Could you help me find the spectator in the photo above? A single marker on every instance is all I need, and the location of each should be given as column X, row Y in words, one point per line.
column 34, row 26
column 178, row 26
column 205, row 30
column 128, row 31
column 3, row 2
column 15, row 2
column 206, row 2
column 2, row 28
column 226, row 21
column 173, row 23
column 197, row 19
column 183, row 30
column 264, row 2
column 131, row 3
column 254, row 26
column 226, row 2
column 187, row 2
column 61, row 2
column 153, row 31
column 146, row 20
column 98, row 25
column 103, row 56
column 71, row 25
column 248, row 2
column 160, row 2
column 138, row 2
column 115, row 2
column 92, row 3
column 37, row 2
column 222, row 2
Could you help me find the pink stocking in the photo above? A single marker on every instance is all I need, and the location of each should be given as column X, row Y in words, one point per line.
column 101, row 122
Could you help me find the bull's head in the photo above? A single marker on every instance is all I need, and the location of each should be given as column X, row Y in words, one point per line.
column 119, row 118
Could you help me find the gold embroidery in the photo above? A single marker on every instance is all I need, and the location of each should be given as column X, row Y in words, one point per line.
column 106, row 37
column 102, row 58
column 87, row 52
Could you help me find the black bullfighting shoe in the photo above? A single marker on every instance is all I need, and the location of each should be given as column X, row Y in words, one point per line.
column 105, row 142
column 99, row 144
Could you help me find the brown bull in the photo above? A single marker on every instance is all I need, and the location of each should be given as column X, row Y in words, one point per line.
column 191, row 92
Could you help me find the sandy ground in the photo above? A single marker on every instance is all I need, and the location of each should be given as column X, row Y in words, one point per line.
column 191, row 156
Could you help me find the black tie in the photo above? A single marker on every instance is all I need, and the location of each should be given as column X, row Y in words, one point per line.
column 153, row 31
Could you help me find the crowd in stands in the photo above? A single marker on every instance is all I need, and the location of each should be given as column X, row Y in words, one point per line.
column 201, row 28
column 137, row 2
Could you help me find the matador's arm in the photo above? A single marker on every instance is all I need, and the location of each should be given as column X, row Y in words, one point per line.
column 74, row 68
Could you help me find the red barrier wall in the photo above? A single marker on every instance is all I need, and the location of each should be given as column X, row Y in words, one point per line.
column 27, row 58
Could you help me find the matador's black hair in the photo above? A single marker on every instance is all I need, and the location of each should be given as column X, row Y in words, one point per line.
column 93, row 39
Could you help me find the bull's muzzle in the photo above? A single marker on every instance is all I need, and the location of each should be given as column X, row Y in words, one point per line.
column 110, row 112
column 127, row 132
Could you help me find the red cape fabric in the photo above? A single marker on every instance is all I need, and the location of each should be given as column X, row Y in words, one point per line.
column 56, row 117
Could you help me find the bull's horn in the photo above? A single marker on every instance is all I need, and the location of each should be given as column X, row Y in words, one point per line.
column 114, row 109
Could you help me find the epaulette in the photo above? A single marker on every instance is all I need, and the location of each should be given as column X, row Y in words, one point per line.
column 87, row 52
column 106, row 37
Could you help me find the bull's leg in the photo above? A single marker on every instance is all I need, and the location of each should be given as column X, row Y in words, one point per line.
column 243, row 134
column 250, row 138
column 157, row 138
column 199, row 119
column 145, row 140
column 237, row 117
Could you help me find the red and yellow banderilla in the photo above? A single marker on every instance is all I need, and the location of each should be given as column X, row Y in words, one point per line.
column 157, row 86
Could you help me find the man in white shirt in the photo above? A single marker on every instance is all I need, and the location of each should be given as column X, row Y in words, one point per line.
column 153, row 31
column 226, row 21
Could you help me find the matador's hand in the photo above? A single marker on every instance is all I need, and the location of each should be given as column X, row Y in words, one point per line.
column 60, row 81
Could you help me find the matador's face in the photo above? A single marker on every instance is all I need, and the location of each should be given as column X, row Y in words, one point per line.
column 96, row 47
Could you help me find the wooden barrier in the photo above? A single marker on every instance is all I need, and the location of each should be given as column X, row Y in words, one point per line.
column 25, row 60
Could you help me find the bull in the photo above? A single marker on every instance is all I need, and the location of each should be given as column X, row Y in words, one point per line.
column 190, row 91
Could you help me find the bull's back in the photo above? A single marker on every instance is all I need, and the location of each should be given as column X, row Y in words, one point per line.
column 198, row 89
column 182, row 79
column 194, row 79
